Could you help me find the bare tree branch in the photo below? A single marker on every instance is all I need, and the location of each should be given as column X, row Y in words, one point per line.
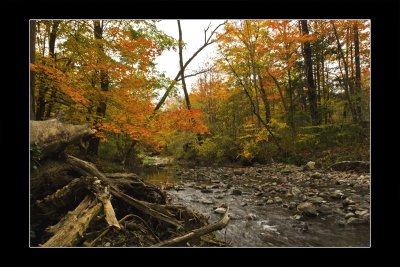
column 207, row 43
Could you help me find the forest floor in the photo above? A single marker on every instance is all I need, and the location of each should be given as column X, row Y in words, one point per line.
column 275, row 205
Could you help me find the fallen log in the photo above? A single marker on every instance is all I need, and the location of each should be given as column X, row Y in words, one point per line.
column 146, row 208
column 52, row 136
column 74, row 224
column 362, row 166
column 61, row 198
column 197, row 233
column 102, row 193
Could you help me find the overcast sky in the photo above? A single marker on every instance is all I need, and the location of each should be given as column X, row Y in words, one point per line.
column 193, row 37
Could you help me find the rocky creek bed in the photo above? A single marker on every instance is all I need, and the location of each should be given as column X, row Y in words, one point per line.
column 275, row 205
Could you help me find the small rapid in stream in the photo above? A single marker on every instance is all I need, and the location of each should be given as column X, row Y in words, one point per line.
column 263, row 203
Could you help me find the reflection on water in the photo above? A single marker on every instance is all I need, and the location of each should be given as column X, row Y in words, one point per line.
column 158, row 176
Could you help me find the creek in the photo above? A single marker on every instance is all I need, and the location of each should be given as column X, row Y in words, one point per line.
column 263, row 203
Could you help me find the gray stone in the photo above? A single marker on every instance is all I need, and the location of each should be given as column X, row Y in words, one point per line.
column 361, row 213
column 347, row 202
column 295, row 191
column 349, row 215
column 207, row 201
column 206, row 190
column 309, row 166
column 238, row 171
column 278, row 200
column 337, row 194
column 292, row 205
column 270, row 201
column 324, row 209
column 307, row 209
column 236, row 192
column 316, row 175
column 251, row 216
column 220, row 210
column 316, row 200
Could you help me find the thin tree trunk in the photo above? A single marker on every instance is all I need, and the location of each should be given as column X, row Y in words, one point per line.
column 291, row 107
column 52, row 55
column 347, row 85
column 93, row 147
column 32, row 56
column 358, row 70
column 312, row 98
column 264, row 99
column 180, row 45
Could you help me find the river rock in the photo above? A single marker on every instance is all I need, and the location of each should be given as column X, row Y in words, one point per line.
column 349, row 215
column 337, row 194
column 307, row 209
column 270, row 201
column 361, row 213
column 220, row 210
column 316, row 200
column 316, row 175
column 295, row 191
column 324, row 209
column 236, row 192
column 207, row 201
column 206, row 190
column 309, row 166
column 238, row 171
column 251, row 216
column 278, row 200
column 297, row 217
column 347, row 202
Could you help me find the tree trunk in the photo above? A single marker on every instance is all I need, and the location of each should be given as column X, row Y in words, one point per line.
column 358, row 70
column 32, row 59
column 312, row 98
column 93, row 147
column 347, row 85
column 180, row 45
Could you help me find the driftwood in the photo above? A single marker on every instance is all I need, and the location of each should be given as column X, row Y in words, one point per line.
column 74, row 224
column 52, row 136
column 72, row 201
column 222, row 223
column 362, row 166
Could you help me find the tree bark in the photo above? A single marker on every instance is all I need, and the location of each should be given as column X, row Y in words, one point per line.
column 32, row 59
column 222, row 223
column 182, row 69
column 74, row 224
column 93, row 147
column 358, row 70
column 312, row 98
column 347, row 85
column 52, row 136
